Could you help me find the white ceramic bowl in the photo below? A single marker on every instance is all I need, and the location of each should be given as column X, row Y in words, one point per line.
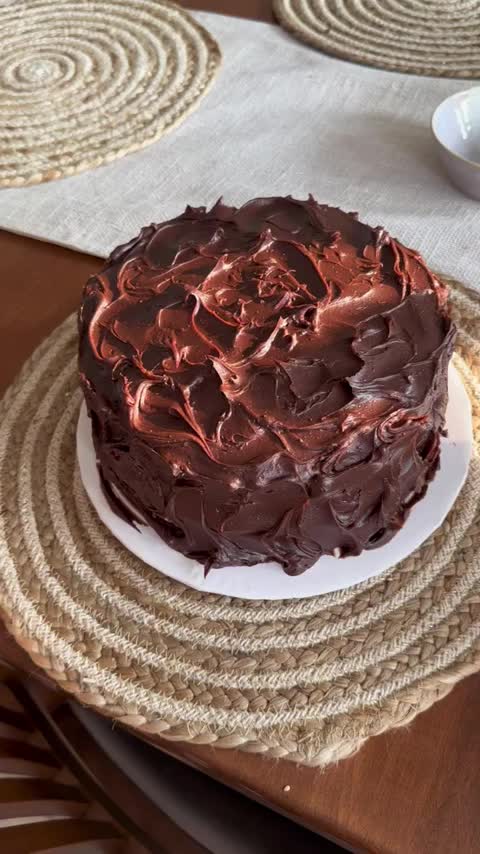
column 456, row 128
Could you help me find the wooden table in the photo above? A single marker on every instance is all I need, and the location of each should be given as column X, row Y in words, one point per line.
column 409, row 791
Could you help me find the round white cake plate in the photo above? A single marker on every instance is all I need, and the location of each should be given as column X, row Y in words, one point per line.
column 267, row 580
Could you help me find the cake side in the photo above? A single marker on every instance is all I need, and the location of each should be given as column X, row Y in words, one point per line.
column 268, row 382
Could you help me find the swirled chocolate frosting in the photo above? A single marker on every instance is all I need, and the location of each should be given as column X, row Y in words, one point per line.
column 267, row 382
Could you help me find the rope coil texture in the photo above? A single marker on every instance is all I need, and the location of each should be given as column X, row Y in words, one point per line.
column 308, row 680
column 437, row 38
column 84, row 82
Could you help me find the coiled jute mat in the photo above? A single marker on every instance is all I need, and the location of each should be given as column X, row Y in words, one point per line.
column 308, row 679
column 83, row 82
column 433, row 37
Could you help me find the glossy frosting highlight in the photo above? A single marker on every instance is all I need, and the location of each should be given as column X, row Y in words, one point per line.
column 268, row 382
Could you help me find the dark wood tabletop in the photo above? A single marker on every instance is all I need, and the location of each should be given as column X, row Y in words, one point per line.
column 410, row 791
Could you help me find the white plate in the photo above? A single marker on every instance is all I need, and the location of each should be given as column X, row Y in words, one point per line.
column 267, row 580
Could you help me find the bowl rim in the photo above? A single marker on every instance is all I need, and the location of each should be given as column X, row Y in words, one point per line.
column 453, row 97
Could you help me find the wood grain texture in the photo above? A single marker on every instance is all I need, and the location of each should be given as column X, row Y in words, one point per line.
column 410, row 791
column 259, row 10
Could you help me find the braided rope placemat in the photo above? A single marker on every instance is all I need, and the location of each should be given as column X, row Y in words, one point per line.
column 437, row 38
column 307, row 679
column 83, row 82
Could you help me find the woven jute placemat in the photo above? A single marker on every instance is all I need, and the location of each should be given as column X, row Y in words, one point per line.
column 437, row 38
column 307, row 679
column 83, row 82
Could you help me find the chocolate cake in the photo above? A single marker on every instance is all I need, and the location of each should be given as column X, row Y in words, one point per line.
column 267, row 382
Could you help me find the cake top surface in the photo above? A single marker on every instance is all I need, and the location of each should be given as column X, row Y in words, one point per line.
column 268, row 329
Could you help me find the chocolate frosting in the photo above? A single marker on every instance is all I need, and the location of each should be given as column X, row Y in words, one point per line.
column 268, row 382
